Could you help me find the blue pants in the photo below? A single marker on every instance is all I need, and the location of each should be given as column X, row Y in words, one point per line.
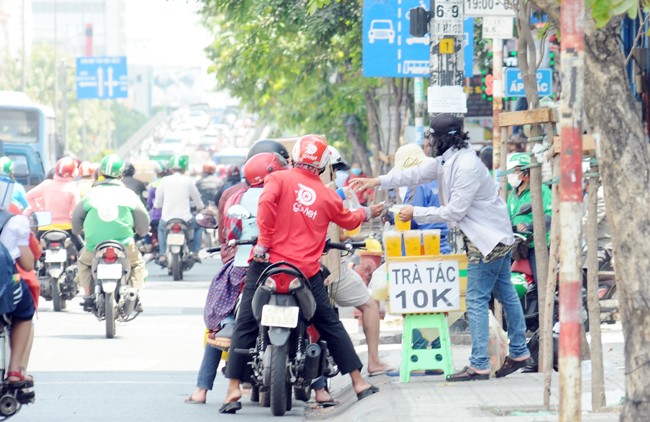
column 209, row 365
column 483, row 279
column 162, row 237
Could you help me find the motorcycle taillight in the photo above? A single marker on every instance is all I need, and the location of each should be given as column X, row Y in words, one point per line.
column 55, row 245
column 176, row 228
column 110, row 257
column 282, row 282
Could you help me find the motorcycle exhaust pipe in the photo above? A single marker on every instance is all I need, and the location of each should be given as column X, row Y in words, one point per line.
column 312, row 362
column 128, row 299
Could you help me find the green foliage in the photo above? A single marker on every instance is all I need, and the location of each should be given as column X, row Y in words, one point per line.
column 127, row 122
column 295, row 63
column 603, row 10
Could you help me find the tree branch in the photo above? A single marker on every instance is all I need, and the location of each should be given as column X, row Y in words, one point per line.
column 640, row 32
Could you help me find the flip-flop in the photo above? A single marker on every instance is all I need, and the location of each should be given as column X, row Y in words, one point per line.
column 367, row 392
column 329, row 403
column 384, row 371
column 190, row 400
column 231, row 407
column 467, row 374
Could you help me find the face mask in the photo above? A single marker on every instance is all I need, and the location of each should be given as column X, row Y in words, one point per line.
column 514, row 180
column 356, row 171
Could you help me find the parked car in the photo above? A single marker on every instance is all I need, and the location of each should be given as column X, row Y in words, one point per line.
column 28, row 165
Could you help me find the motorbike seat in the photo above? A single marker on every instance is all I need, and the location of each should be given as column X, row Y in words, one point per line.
column 110, row 244
column 54, row 236
column 521, row 266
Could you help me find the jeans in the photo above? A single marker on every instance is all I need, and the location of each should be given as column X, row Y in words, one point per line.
column 198, row 235
column 483, row 279
column 162, row 236
column 209, row 365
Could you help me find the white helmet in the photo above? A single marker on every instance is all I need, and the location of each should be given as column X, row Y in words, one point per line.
column 336, row 160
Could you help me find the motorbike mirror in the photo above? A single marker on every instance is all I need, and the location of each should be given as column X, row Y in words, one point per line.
column 525, row 209
column 238, row 212
column 40, row 219
column 206, row 219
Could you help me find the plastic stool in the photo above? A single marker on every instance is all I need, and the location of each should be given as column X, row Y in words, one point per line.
column 423, row 359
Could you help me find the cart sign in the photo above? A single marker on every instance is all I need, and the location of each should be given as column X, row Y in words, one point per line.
column 514, row 83
column 426, row 284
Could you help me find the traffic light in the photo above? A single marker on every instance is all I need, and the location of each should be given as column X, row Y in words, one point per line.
column 487, row 85
column 551, row 56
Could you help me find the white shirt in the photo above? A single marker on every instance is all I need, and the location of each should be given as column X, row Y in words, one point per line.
column 15, row 234
column 173, row 196
column 467, row 194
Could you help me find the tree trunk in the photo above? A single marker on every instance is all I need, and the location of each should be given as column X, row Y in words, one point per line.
column 359, row 149
column 374, row 128
column 625, row 170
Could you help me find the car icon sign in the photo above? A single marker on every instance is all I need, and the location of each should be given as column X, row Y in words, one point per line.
column 381, row 29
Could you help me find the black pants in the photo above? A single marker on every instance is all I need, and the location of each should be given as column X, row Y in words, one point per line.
column 325, row 320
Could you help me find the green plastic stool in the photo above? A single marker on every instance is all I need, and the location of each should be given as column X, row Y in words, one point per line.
column 423, row 359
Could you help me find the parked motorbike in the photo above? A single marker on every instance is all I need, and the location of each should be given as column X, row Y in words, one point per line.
column 114, row 298
column 179, row 258
column 57, row 268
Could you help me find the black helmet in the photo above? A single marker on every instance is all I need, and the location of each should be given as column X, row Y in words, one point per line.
column 129, row 170
column 445, row 124
column 267, row 145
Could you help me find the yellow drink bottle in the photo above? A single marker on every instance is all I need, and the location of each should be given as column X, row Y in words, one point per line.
column 431, row 240
column 393, row 243
column 412, row 242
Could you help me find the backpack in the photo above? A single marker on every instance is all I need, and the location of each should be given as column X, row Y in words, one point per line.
column 7, row 271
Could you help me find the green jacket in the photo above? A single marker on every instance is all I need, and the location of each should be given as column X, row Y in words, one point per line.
column 516, row 201
column 110, row 211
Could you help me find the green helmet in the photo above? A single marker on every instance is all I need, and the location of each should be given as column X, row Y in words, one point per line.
column 178, row 162
column 112, row 166
column 518, row 160
column 6, row 166
column 520, row 283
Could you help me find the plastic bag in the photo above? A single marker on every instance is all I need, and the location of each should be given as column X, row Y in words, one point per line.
column 497, row 343
column 378, row 285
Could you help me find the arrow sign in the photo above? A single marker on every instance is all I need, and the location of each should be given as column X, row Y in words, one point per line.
column 102, row 77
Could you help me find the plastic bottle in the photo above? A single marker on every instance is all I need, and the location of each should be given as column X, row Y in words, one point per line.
column 351, row 202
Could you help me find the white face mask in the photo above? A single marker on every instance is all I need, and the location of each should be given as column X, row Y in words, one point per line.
column 514, row 180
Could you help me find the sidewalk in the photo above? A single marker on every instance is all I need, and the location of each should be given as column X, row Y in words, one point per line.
column 518, row 397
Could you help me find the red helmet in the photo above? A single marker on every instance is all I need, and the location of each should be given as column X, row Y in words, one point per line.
column 86, row 168
column 261, row 165
column 311, row 150
column 209, row 167
column 66, row 167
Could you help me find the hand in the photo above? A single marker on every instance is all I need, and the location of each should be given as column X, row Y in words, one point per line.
column 521, row 227
column 260, row 254
column 376, row 210
column 406, row 213
column 362, row 183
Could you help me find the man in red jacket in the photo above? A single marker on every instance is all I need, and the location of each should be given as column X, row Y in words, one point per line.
column 294, row 212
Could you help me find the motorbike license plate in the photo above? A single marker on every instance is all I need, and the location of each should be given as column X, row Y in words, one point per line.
column 176, row 239
column 280, row 316
column 109, row 271
column 56, row 256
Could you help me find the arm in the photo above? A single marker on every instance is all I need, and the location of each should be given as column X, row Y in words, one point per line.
column 160, row 194
column 26, row 258
column 267, row 211
column 463, row 191
column 140, row 218
column 196, row 197
column 412, row 176
column 78, row 217
column 347, row 219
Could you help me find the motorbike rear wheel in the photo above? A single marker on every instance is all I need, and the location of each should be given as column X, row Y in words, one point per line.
column 56, row 295
column 109, row 314
column 278, row 380
column 177, row 270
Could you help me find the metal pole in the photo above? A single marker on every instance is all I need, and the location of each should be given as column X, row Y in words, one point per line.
column 571, row 111
column 24, row 64
column 420, row 109
column 64, row 107
column 497, row 98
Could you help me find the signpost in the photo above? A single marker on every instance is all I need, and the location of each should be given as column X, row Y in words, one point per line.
column 514, row 83
column 481, row 8
column 101, row 77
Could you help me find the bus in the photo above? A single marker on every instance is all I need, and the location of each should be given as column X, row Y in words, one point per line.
column 26, row 126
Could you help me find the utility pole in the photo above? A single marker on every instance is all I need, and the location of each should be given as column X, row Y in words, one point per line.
column 64, row 106
column 420, row 109
column 571, row 111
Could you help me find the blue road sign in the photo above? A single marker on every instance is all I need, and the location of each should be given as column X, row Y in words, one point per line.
column 388, row 49
column 101, row 77
column 514, row 83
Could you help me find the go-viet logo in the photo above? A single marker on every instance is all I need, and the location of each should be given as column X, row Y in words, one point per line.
column 306, row 196
column 311, row 149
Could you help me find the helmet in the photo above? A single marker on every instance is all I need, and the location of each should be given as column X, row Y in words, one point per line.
column 518, row 160
column 129, row 170
column 233, row 171
column 86, row 168
column 261, row 165
column 445, row 124
column 312, row 151
column 336, row 160
column 267, row 145
column 178, row 162
column 66, row 167
column 112, row 166
column 209, row 167
column 161, row 168
column 6, row 166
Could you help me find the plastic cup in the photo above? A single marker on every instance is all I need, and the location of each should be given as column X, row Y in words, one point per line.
column 401, row 225
column 431, row 240
column 393, row 243
column 412, row 242
column 353, row 232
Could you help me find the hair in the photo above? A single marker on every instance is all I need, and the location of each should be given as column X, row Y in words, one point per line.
column 129, row 170
column 486, row 155
column 440, row 144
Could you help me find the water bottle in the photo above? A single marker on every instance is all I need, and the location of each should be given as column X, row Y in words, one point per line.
column 351, row 202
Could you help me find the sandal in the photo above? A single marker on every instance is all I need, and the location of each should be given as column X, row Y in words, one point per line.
column 510, row 365
column 22, row 380
column 467, row 374
column 231, row 407
column 367, row 392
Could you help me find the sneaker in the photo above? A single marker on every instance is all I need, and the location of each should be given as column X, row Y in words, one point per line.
column 88, row 303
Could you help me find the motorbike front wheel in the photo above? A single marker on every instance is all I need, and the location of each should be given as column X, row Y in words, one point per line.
column 177, row 270
column 279, row 380
column 56, row 295
column 109, row 313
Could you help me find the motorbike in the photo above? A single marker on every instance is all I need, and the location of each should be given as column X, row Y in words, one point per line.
column 57, row 268
column 179, row 258
column 12, row 396
column 114, row 299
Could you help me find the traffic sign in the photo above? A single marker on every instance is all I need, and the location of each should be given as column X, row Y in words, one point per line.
column 388, row 49
column 481, row 8
column 514, row 83
column 497, row 27
column 101, row 77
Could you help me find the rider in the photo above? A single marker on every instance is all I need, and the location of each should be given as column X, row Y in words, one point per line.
column 110, row 211
column 299, row 240
column 209, row 183
column 7, row 170
column 519, row 180
column 129, row 180
column 174, row 196
column 59, row 196
column 154, row 213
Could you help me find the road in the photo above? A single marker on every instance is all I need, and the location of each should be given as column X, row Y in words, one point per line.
column 143, row 374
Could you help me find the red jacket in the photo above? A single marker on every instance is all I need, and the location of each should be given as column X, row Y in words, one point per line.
column 294, row 212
